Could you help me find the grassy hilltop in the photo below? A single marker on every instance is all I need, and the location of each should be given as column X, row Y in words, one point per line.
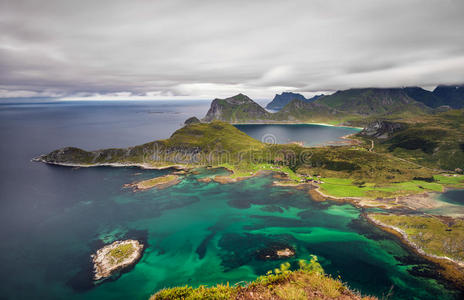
column 308, row 282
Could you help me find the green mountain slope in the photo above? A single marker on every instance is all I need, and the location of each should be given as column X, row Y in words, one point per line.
column 450, row 95
column 280, row 100
column 349, row 107
column 436, row 141
column 373, row 101
column 303, row 111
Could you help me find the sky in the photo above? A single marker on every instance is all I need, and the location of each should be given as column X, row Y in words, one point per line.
column 203, row 49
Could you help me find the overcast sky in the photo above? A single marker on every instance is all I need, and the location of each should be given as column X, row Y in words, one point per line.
column 207, row 49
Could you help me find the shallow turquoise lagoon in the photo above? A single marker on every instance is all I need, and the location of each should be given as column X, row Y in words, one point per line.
column 203, row 233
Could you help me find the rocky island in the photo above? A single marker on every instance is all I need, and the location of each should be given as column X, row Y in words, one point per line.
column 116, row 257
column 157, row 182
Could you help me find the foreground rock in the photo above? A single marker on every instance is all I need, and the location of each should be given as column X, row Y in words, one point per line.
column 115, row 257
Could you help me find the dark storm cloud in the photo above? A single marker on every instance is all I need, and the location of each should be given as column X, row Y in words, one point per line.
column 161, row 49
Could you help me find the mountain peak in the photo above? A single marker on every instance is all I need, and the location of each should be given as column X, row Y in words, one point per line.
column 235, row 109
column 281, row 100
column 237, row 99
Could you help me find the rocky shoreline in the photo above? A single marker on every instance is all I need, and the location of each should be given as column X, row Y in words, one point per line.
column 115, row 165
column 404, row 237
column 451, row 270
column 115, row 257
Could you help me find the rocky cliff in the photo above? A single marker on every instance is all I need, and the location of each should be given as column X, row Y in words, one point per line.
column 236, row 109
column 382, row 129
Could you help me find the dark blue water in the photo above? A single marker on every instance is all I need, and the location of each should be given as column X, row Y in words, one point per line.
column 308, row 134
column 453, row 197
column 28, row 130
column 52, row 218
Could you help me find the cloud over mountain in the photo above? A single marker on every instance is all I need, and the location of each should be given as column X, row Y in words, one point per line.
column 203, row 49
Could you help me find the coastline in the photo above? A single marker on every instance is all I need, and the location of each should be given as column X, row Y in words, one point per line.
column 451, row 270
column 359, row 202
column 316, row 193
column 114, row 165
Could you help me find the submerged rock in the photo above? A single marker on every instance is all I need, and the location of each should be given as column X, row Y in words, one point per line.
column 275, row 252
column 115, row 257
column 285, row 252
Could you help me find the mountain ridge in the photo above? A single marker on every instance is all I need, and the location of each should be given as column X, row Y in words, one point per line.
column 352, row 106
column 280, row 100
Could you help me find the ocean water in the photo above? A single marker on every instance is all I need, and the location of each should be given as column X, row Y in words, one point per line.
column 52, row 218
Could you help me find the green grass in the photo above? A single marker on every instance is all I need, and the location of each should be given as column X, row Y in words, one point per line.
column 343, row 187
column 121, row 252
column 291, row 174
column 431, row 234
column 451, row 180
column 212, row 136
column 308, row 282
column 246, row 169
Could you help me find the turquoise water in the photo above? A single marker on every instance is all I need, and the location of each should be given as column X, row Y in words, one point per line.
column 204, row 233
column 52, row 218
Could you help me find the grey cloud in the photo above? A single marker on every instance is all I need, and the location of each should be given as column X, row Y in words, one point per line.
column 214, row 48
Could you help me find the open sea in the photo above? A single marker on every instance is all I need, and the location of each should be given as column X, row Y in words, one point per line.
column 53, row 218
